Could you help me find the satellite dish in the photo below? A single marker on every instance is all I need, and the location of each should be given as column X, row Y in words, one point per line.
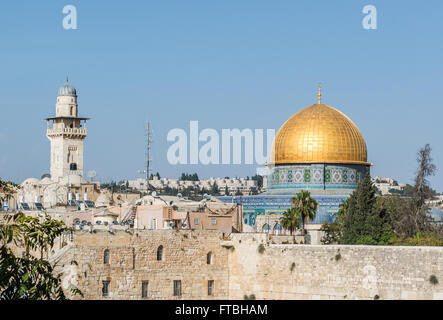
column 154, row 193
column 91, row 174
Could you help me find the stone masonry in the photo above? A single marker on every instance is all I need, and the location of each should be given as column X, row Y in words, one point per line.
column 280, row 271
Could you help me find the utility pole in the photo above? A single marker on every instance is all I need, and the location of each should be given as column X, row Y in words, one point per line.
column 148, row 152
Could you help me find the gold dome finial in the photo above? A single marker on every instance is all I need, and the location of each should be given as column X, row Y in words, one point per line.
column 319, row 93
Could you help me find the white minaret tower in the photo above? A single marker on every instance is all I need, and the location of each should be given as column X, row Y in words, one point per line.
column 67, row 132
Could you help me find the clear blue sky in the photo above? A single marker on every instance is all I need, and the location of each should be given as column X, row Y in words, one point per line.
column 229, row 64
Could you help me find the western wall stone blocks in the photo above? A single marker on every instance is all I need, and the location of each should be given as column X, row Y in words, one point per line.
column 319, row 272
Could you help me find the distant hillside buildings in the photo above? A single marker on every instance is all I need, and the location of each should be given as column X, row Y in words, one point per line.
column 387, row 185
column 233, row 185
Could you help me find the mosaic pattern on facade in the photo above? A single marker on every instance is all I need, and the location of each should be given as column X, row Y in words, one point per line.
column 315, row 176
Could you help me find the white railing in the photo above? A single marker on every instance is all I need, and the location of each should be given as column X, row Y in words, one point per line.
column 67, row 130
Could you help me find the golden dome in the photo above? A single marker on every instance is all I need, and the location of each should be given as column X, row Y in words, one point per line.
column 319, row 134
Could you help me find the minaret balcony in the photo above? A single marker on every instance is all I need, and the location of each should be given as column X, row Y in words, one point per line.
column 67, row 131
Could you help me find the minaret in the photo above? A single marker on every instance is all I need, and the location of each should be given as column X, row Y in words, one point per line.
column 67, row 132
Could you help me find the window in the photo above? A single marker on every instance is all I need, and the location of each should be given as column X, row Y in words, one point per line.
column 214, row 221
column 160, row 253
column 105, row 289
column 106, row 257
column 72, row 112
column 210, row 287
column 209, row 258
column 154, row 224
column 73, row 166
column 145, row 289
column 177, row 287
column 196, row 221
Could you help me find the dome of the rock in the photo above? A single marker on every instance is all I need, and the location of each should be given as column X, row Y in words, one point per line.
column 319, row 134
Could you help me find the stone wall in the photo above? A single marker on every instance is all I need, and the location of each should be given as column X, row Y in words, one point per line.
column 285, row 271
column 280, row 271
column 133, row 259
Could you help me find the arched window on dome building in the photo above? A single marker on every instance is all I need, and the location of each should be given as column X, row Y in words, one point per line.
column 278, row 230
column 266, row 228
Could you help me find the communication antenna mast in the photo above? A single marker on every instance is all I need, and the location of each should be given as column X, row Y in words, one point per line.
column 148, row 153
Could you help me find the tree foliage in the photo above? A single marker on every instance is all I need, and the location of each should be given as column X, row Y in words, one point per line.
column 331, row 233
column 30, row 276
column 189, row 177
column 290, row 220
column 305, row 206
column 365, row 218
column 259, row 180
column 425, row 169
column 7, row 189
column 362, row 220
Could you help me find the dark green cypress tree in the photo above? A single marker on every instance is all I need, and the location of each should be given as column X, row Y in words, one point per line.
column 362, row 220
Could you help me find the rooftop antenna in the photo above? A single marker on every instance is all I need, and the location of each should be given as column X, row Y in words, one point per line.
column 91, row 174
column 148, row 152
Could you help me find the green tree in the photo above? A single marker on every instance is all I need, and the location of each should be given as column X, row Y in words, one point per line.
column 362, row 220
column 290, row 220
column 331, row 233
column 214, row 189
column 413, row 216
column 7, row 190
column 305, row 206
column 259, row 180
column 189, row 177
column 31, row 276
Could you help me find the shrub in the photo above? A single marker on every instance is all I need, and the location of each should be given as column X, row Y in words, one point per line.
column 433, row 279
column 419, row 239
column 292, row 266
column 261, row 248
column 337, row 256
column 366, row 240
column 331, row 233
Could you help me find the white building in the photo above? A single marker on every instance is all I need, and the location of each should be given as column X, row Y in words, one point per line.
column 387, row 184
column 66, row 133
column 234, row 185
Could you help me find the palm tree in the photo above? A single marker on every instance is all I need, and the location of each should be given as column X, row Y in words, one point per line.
column 290, row 220
column 305, row 206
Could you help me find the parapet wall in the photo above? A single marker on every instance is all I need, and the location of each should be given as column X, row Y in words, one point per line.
column 280, row 271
